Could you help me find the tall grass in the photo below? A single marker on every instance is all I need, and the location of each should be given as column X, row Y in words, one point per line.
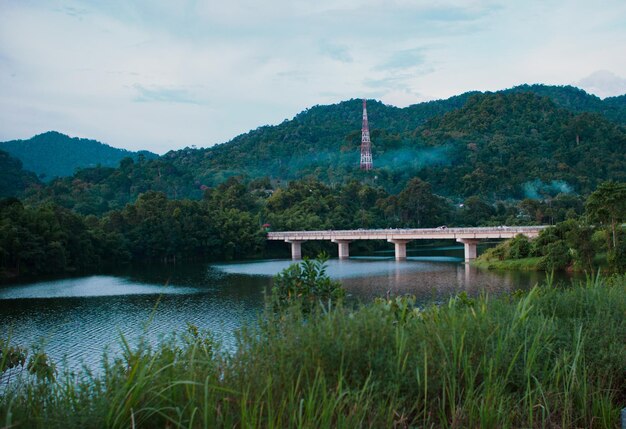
column 552, row 357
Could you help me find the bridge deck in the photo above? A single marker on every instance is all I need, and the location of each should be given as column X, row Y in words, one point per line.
column 408, row 234
column 468, row 236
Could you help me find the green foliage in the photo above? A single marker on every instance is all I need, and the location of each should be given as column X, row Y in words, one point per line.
column 526, row 139
column 617, row 257
column 13, row 179
column 305, row 286
column 578, row 101
column 475, row 211
column 556, row 256
column 400, row 309
column 607, row 205
column 570, row 243
column 48, row 239
column 11, row 356
column 53, row 154
column 417, row 207
column 537, row 142
column 552, row 357
column 519, row 247
column 42, row 367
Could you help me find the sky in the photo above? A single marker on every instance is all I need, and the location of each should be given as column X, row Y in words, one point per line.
column 164, row 75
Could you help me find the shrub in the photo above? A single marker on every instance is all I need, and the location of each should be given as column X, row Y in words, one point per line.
column 557, row 256
column 552, row 357
column 305, row 285
column 519, row 247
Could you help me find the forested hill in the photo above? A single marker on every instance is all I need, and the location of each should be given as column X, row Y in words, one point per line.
column 53, row 154
column 512, row 144
column 578, row 101
column 323, row 142
column 13, row 178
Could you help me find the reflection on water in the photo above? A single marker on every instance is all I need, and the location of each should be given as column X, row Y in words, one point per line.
column 79, row 317
column 89, row 287
column 80, row 327
column 428, row 278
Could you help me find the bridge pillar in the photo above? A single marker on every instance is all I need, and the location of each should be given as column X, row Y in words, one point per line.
column 296, row 248
column 470, row 247
column 400, row 246
column 344, row 248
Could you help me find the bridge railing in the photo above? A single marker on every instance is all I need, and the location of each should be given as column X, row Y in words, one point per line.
column 383, row 233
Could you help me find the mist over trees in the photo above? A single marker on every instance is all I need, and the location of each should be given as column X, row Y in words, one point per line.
column 529, row 155
column 527, row 142
column 230, row 222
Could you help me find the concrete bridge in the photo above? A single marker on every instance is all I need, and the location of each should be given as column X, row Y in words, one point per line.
column 400, row 237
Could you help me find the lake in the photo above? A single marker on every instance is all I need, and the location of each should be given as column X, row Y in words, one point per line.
column 77, row 318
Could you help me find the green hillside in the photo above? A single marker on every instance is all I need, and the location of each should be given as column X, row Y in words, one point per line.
column 520, row 145
column 13, row 178
column 578, row 101
column 566, row 135
column 512, row 144
column 53, row 154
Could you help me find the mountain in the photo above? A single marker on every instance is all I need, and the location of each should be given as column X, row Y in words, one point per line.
column 53, row 154
column 520, row 145
column 13, row 179
column 323, row 141
column 511, row 144
column 578, row 101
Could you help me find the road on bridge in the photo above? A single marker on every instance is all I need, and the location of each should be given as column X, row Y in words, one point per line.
column 399, row 237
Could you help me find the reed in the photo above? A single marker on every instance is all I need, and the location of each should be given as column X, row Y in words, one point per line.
column 551, row 357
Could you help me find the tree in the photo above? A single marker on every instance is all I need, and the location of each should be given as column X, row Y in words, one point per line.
column 475, row 211
column 607, row 204
column 419, row 207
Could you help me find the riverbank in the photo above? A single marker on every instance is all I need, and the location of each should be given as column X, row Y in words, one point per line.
column 549, row 357
column 531, row 264
column 524, row 264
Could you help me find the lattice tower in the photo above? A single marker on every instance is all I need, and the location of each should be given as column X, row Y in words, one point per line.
column 366, row 144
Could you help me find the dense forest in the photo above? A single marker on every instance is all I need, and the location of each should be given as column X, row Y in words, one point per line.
column 230, row 221
column 529, row 155
column 453, row 146
column 53, row 154
column 14, row 180
column 508, row 145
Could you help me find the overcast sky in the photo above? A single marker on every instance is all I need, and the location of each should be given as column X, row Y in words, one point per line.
column 162, row 75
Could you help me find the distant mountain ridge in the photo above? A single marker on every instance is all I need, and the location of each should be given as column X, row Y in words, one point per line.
column 526, row 142
column 577, row 100
column 323, row 141
column 53, row 154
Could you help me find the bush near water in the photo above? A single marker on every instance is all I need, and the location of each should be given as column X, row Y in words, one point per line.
column 551, row 357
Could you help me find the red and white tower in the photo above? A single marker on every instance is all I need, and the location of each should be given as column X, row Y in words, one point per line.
column 366, row 144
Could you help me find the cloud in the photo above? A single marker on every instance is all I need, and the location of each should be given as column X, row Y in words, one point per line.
column 403, row 59
column 78, row 13
column 389, row 82
column 163, row 95
column 335, row 51
column 200, row 72
column 603, row 83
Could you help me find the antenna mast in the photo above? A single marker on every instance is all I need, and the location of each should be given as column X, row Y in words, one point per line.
column 366, row 144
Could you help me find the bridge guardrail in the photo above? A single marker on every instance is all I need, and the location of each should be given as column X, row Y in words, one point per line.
column 383, row 233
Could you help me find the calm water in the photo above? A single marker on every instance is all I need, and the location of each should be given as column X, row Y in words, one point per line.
column 78, row 318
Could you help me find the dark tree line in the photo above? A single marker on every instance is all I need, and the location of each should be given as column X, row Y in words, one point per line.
column 230, row 220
